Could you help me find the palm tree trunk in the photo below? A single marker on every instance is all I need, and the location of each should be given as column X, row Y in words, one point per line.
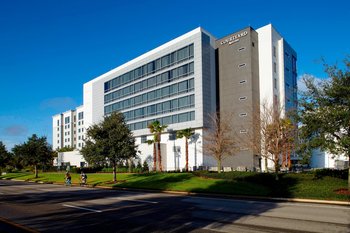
column 186, row 155
column 114, row 172
column 36, row 171
column 349, row 176
column 160, row 158
column 154, row 157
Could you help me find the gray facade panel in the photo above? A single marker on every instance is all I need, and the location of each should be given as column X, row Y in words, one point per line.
column 238, row 77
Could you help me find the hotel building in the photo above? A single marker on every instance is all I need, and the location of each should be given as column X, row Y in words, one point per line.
column 179, row 84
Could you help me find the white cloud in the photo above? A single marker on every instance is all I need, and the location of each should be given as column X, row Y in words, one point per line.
column 58, row 104
column 15, row 130
column 301, row 84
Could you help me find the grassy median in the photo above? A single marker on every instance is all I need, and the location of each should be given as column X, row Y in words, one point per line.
column 235, row 183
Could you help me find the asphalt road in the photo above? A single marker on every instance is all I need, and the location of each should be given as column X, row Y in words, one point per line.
column 30, row 207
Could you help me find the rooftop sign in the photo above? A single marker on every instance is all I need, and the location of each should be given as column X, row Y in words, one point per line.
column 234, row 38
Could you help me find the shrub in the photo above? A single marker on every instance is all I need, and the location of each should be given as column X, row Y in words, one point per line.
column 145, row 167
column 87, row 169
column 341, row 174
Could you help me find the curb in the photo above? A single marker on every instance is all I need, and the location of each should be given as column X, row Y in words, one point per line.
column 211, row 195
column 17, row 226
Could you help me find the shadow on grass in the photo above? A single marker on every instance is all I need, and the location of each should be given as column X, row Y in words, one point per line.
column 252, row 184
column 157, row 181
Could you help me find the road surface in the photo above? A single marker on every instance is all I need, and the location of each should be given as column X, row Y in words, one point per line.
column 31, row 207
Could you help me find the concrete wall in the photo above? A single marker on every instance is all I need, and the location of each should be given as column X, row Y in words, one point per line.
column 238, row 76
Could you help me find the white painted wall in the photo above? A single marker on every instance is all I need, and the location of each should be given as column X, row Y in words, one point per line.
column 175, row 159
column 324, row 159
column 56, row 131
column 72, row 157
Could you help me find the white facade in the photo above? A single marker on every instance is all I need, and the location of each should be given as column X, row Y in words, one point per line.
column 277, row 70
column 68, row 129
column 203, row 80
column 277, row 73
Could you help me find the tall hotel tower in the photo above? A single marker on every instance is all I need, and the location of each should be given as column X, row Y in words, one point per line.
column 183, row 81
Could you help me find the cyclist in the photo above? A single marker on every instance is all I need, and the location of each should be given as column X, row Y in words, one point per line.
column 83, row 178
column 68, row 179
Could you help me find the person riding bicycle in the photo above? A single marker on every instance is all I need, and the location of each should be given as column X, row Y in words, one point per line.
column 68, row 178
column 83, row 178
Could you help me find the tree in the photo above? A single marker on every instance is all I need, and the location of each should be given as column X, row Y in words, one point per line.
column 65, row 149
column 157, row 129
column 219, row 139
column 35, row 152
column 109, row 141
column 324, row 110
column 277, row 137
column 4, row 156
column 186, row 133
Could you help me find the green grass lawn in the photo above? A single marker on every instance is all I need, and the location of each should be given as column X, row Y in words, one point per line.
column 235, row 183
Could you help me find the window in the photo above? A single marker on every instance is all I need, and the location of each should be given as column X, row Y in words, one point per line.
column 183, row 102
column 242, row 81
column 241, row 49
column 243, row 114
column 243, row 98
column 66, row 120
column 243, row 131
column 172, row 136
column 167, row 120
column 183, row 86
column 242, row 65
column 183, row 117
column 58, row 122
column 253, row 44
column 275, row 67
column 143, row 139
column 80, row 115
column 275, row 83
column 274, row 51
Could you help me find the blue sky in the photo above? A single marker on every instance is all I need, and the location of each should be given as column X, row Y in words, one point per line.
column 49, row 48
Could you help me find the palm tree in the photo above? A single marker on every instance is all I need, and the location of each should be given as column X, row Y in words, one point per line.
column 149, row 142
column 156, row 129
column 187, row 133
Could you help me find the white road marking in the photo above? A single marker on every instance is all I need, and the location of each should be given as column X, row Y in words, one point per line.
column 135, row 200
column 82, row 208
column 281, row 204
